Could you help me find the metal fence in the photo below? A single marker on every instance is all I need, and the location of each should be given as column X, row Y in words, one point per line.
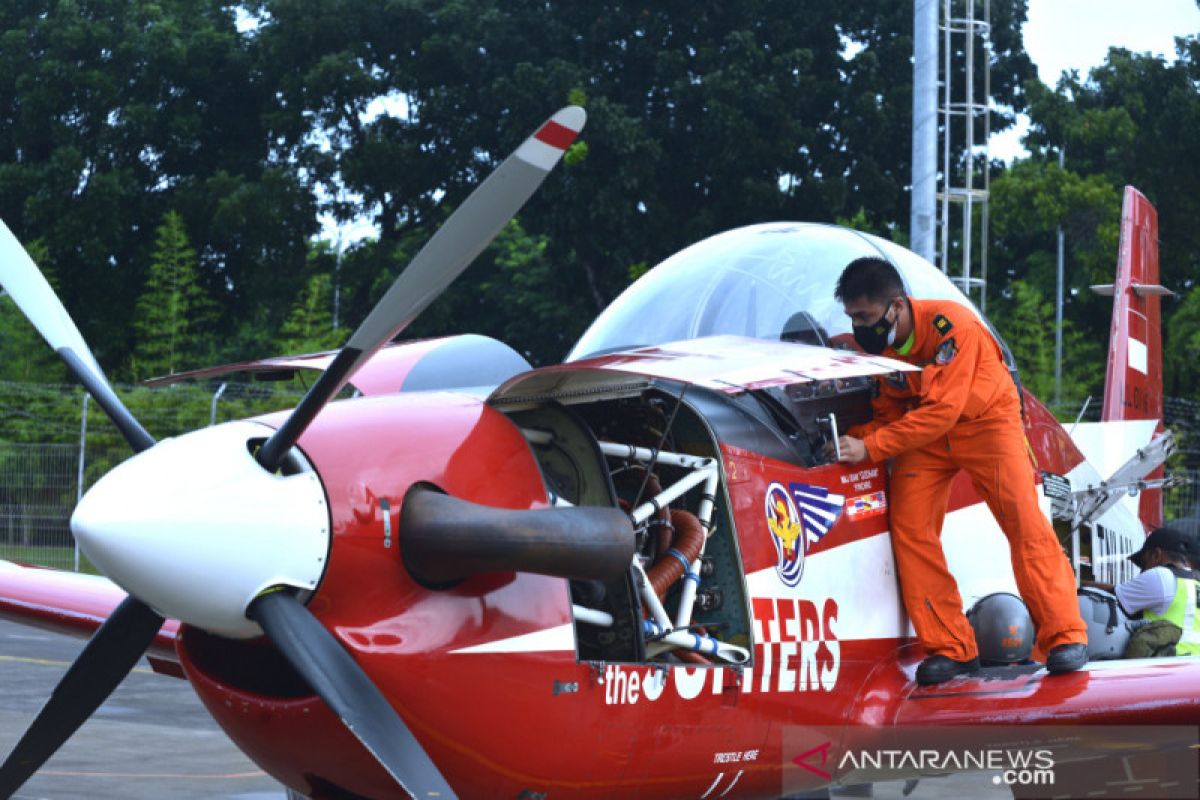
column 39, row 484
column 1183, row 501
column 54, row 445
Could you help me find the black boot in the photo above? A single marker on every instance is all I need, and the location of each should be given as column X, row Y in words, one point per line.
column 1066, row 658
column 937, row 669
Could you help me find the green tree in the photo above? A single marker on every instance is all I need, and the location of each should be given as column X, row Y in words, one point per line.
column 1025, row 326
column 112, row 111
column 1181, row 358
column 24, row 354
column 512, row 296
column 1026, row 321
column 309, row 325
column 1123, row 125
column 173, row 311
column 1029, row 202
column 702, row 116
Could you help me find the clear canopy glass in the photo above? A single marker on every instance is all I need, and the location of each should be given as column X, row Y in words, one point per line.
column 768, row 281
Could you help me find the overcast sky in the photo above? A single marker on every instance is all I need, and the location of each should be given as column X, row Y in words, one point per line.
column 1076, row 34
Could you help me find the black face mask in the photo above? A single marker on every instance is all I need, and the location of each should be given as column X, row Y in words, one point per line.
column 875, row 337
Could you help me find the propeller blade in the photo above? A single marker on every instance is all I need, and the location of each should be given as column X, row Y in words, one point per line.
column 338, row 680
column 443, row 258
column 107, row 658
column 25, row 283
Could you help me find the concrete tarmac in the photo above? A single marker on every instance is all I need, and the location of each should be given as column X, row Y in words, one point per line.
column 153, row 739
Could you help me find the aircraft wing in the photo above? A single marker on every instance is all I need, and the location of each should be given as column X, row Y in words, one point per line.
column 74, row 604
column 1150, row 691
column 448, row 362
column 1094, row 730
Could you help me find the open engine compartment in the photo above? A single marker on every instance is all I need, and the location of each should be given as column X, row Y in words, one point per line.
column 648, row 451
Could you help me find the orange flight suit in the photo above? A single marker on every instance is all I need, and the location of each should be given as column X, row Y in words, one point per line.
column 962, row 412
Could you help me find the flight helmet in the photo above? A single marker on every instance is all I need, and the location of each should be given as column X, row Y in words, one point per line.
column 1004, row 630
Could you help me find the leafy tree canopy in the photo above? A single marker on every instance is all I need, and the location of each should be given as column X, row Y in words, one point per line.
column 1123, row 125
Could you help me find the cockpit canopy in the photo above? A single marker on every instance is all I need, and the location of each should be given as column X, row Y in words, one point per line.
column 772, row 281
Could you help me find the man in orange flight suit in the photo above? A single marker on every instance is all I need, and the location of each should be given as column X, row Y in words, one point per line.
column 961, row 411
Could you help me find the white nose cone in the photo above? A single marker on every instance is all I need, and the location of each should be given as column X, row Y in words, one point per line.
column 195, row 528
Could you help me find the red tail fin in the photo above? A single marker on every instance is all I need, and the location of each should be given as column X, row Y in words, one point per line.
column 1133, row 385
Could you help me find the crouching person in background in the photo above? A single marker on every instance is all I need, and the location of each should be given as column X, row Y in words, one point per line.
column 1167, row 594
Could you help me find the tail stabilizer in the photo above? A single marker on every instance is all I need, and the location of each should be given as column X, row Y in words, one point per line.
column 1133, row 387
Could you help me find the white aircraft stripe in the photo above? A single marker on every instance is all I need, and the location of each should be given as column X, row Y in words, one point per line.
column 714, row 785
column 548, row 640
column 732, row 783
column 1138, row 355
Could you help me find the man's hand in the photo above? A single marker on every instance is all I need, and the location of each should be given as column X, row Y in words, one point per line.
column 853, row 450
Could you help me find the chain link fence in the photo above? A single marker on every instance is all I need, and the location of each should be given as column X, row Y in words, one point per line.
column 54, row 444
column 38, row 488
column 1182, row 417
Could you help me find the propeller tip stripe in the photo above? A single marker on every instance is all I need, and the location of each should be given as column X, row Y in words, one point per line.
column 547, row 145
column 555, row 135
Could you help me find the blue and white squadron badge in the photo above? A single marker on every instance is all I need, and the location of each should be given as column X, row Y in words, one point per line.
column 946, row 352
column 798, row 517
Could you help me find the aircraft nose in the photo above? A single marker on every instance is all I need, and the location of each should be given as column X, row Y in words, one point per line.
column 196, row 529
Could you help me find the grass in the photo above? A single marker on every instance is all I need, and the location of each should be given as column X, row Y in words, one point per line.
column 56, row 557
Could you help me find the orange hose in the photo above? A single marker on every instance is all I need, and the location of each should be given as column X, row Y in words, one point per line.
column 691, row 656
column 689, row 538
column 660, row 520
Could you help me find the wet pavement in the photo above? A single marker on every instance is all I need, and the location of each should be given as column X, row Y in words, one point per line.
column 151, row 739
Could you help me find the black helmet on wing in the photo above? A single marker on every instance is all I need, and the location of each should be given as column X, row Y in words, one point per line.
column 1004, row 630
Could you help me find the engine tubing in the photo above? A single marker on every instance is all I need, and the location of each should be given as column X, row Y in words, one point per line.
column 691, row 657
column 660, row 521
column 689, row 538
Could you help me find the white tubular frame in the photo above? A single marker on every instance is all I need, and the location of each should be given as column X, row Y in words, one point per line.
column 691, row 581
column 672, row 492
column 703, row 470
column 705, row 645
column 536, row 436
column 656, row 607
column 591, row 616
column 628, row 451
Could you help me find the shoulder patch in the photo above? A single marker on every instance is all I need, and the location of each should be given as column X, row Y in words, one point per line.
column 942, row 324
column 946, row 352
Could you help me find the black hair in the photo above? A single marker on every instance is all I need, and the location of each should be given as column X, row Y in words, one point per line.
column 869, row 277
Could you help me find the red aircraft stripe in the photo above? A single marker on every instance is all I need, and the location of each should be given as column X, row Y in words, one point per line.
column 556, row 135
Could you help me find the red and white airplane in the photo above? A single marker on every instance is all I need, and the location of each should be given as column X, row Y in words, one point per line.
column 632, row 574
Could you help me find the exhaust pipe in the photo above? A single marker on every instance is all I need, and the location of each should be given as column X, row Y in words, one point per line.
column 444, row 539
